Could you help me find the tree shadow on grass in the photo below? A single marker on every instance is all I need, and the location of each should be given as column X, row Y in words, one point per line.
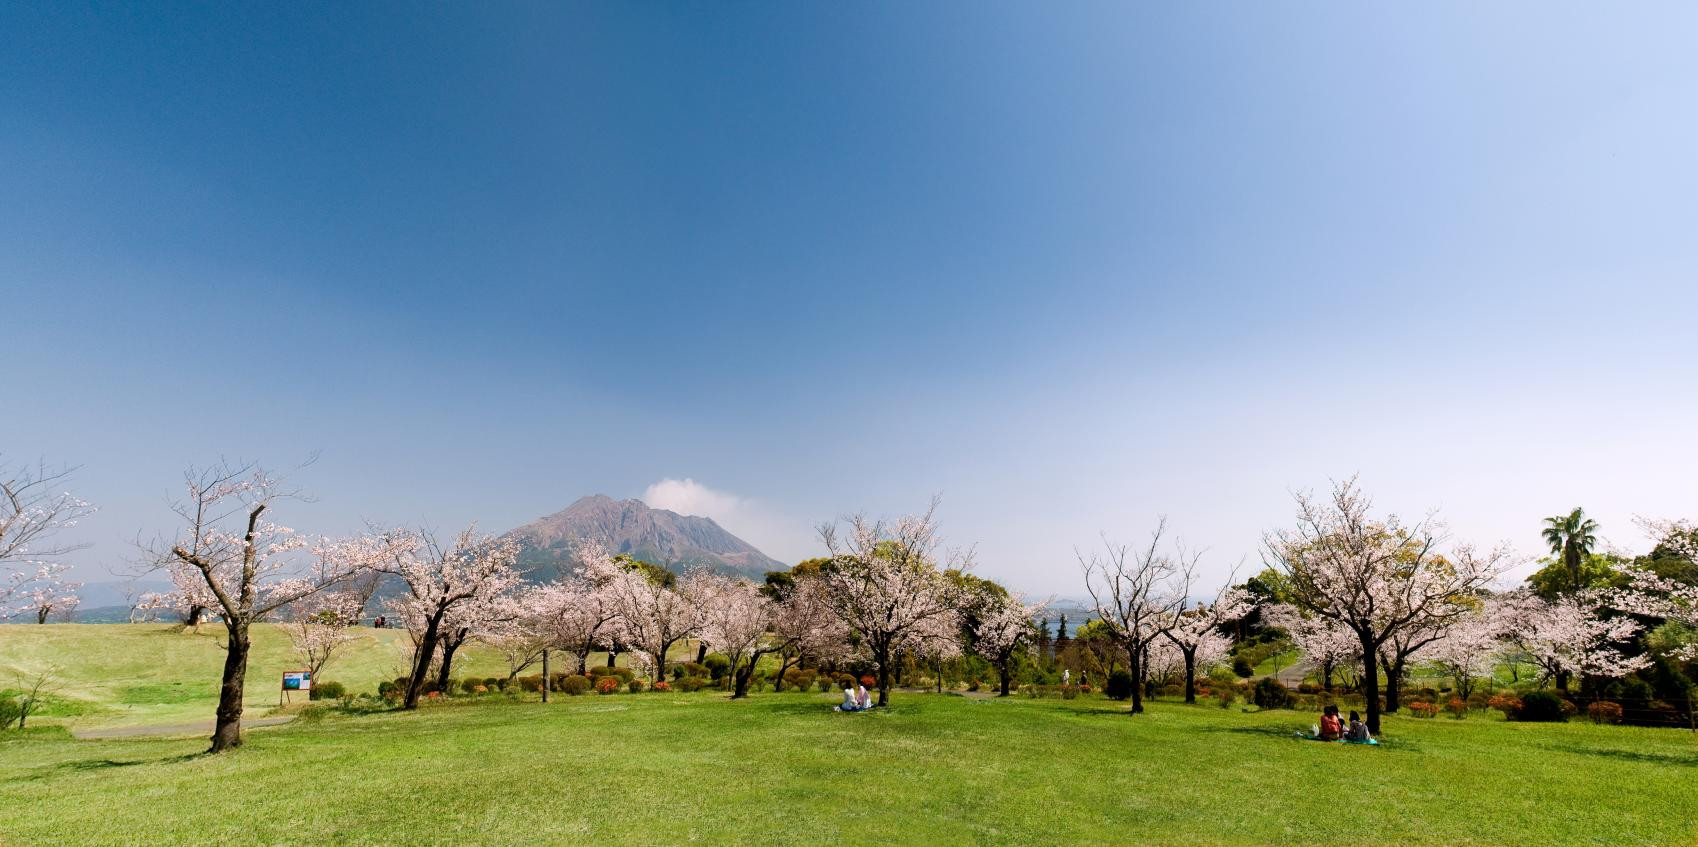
column 86, row 765
column 1688, row 760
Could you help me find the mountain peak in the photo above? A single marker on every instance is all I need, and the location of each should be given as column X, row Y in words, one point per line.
column 632, row 527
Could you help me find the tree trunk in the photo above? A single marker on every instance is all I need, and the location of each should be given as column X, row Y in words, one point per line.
column 227, row 733
column 883, row 655
column 583, row 665
column 1002, row 672
column 1371, row 685
column 449, row 646
column 195, row 614
column 612, row 654
column 1394, row 685
column 940, row 675
column 701, row 652
column 1326, row 676
column 1562, row 681
column 1191, row 675
column 421, row 663
column 1135, row 666
column 740, row 680
column 784, row 665
column 545, row 675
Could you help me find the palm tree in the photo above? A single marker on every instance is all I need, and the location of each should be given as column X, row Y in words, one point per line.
column 1571, row 536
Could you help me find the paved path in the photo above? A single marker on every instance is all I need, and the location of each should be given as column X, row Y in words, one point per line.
column 195, row 728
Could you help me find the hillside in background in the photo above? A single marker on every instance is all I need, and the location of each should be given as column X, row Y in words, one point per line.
column 631, row 527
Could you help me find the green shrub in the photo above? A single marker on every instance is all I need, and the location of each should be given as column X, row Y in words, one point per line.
column 1541, row 706
column 824, row 683
column 624, row 674
column 1242, row 667
column 1171, row 691
column 531, row 683
column 685, row 669
column 10, row 711
column 328, row 691
column 1270, row 693
column 494, row 683
column 692, row 683
column 635, row 685
column 1119, row 685
column 1224, row 697
column 1069, row 692
column 388, row 691
column 800, row 679
column 717, row 665
column 574, row 684
column 1604, row 711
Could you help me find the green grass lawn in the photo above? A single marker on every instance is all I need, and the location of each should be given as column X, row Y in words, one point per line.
column 114, row 675
column 783, row 769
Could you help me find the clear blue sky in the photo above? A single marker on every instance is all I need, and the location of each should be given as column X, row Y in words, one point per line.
column 1071, row 266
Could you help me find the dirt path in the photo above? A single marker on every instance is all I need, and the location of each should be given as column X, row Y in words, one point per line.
column 195, row 728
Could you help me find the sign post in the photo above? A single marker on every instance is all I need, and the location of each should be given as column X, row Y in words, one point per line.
column 294, row 681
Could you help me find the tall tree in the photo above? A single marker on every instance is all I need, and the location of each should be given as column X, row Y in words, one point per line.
column 1571, row 537
column 441, row 581
column 884, row 583
column 251, row 567
column 1195, row 632
column 34, row 509
column 1376, row 576
column 1134, row 598
column 652, row 615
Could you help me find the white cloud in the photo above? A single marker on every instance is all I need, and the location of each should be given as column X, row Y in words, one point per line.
column 771, row 531
column 689, row 497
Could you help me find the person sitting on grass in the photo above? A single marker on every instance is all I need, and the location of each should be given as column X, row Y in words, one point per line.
column 1358, row 732
column 1331, row 727
column 855, row 700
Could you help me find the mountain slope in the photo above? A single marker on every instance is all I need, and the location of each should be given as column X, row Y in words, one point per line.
column 631, row 527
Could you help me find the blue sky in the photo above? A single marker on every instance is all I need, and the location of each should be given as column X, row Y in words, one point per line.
column 1071, row 267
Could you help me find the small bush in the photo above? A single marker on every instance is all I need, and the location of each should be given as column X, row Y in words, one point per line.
column 1069, row 692
column 975, row 685
column 607, row 685
column 717, row 665
column 1543, row 707
column 688, row 669
column 388, row 691
column 1604, row 711
column 869, row 680
column 1242, row 667
column 824, row 683
column 531, row 684
column 493, row 683
column 1456, row 707
column 328, row 691
column 624, row 674
column 692, row 683
column 636, row 686
column 1423, row 709
column 800, row 679
column 1270, row 693
column 10, row 711
column 1308, row 688
column 1224, row 698
column 1119, row 686
column 1171, row 691
column 661, row 687
column 573, row 685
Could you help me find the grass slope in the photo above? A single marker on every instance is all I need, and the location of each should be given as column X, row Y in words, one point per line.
column 783, row 769
column 112, row 675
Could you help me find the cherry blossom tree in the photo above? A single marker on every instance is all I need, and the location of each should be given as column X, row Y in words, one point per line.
column 652, row 616
column 1568, row 635
column 1470, row 647
column 448, row 586
column 1000, row 625
column 1134, row 598
column 884, row 583
column 320, row 625
column 1329, row 645
column 735, row 618
column 1195, row 631
column 46, row 592
column 1376, row 576
column 578, row 613
column 805, row 626
column 1653, row 596
column 251, row 567
column 33, row 510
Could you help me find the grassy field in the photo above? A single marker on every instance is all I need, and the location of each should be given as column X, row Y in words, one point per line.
column 783, row 769
column 118, row 675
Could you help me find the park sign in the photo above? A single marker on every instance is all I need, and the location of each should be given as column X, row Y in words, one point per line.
column 296, row 681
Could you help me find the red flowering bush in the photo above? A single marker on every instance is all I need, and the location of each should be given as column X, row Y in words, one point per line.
column 869, row 681
column 662, row 686
column 1423, row 710
column 1457, row 707
column 607, row 685
column 1506, row 703
column 1604, row 711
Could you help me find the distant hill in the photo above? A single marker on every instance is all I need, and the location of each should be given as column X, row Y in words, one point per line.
column 630, row 526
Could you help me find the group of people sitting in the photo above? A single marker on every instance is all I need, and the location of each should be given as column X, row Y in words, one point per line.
column 1333, row 728
column 855, row 700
